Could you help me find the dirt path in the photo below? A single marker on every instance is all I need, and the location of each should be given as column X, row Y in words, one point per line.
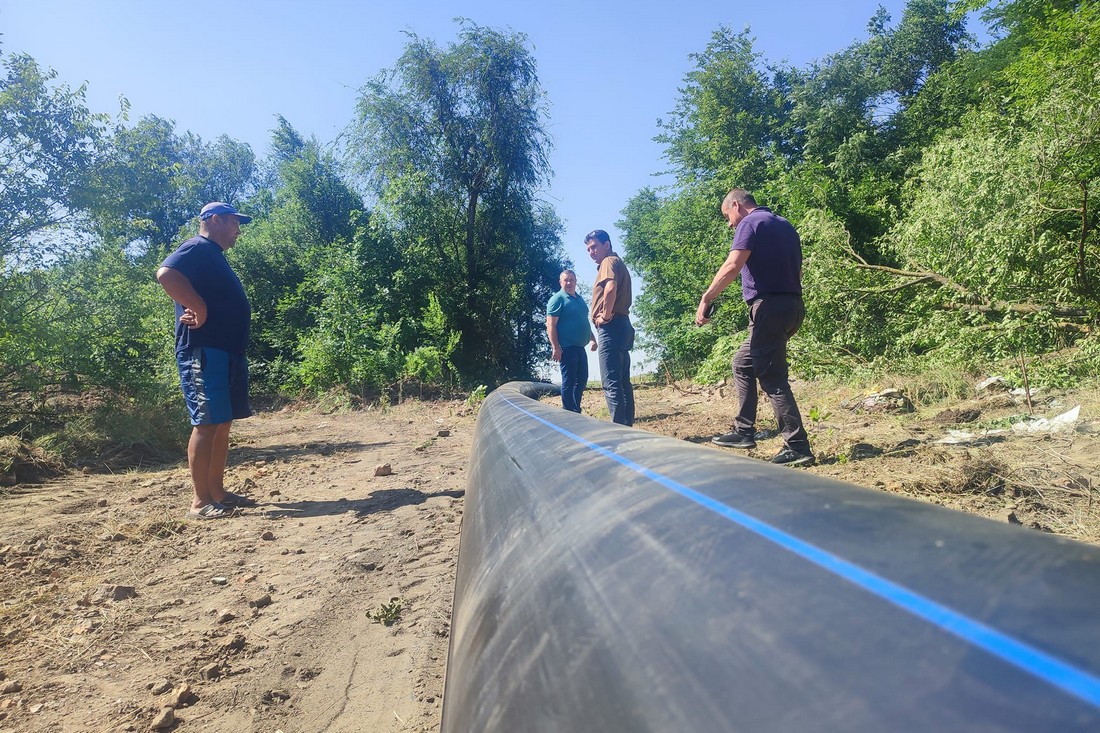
column 110, row 603
column 264, row 616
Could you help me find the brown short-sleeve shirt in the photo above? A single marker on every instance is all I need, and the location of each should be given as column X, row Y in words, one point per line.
column 612, row 268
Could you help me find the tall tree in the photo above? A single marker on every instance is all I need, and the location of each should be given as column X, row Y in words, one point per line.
column 151, row 181
column 1001, row 220
column 830, row 143
column 452, row 140
column 290, row 257
column 48, row 145
column 732, row 119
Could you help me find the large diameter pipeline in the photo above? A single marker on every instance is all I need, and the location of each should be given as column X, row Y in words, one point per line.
column 611, row 580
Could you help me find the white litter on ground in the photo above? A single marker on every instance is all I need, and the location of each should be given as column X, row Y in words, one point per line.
column 1066, row 421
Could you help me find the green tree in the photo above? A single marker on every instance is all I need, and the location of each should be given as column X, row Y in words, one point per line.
column 829, row 146
column 732, row 121
column 110, row 327
column 452, row 141
column 301, row 262
column 151, row 181
column 730, row 127
column 353, row 343
column 48, row 146
column 853, row 120
column 1000, row 227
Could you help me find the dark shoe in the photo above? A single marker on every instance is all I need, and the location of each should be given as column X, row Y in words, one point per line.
column 790, row 457
column 734, row 440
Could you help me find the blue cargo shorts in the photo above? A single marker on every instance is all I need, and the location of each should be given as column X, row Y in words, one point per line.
column 215, row 385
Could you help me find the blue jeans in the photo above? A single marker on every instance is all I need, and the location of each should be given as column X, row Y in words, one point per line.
column 574, row 376
column 616, row 339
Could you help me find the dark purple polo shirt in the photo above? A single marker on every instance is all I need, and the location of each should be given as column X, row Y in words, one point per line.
column 775, row 265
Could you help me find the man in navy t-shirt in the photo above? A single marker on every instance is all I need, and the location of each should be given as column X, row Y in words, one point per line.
column 212, row 322
column 767, row 253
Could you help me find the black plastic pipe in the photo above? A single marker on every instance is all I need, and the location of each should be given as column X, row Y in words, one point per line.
column 613, row 580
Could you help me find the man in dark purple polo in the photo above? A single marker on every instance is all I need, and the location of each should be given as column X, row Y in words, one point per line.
column 767, row 253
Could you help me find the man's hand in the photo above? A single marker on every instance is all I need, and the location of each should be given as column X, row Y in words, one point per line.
column 193, row 319
column 555, row 353
column 701, row 313
column 605, row 312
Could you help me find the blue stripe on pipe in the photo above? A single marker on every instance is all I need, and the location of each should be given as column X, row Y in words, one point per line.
column 1027, row 658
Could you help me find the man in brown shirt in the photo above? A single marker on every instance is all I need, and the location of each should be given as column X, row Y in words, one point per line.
column 611, row 298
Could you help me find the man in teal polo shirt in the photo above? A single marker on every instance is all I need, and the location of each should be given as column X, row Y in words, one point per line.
column 567, row 327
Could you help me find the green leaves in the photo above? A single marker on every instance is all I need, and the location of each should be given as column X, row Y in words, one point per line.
column 945, row 196
column 48, row 145
column 452, row 141
column 150, row 181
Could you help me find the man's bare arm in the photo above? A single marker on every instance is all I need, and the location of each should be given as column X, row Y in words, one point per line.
column 726, row 274
column 179, row 289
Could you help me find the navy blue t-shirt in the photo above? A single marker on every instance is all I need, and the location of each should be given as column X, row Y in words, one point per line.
column 775, row 265
column 228, row 313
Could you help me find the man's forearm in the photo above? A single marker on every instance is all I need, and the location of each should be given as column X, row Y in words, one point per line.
column 718, row 285
column 726, row 274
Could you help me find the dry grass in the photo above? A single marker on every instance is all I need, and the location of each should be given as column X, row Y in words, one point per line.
column 1059, row 487
column 157, row 526
column 24, row 461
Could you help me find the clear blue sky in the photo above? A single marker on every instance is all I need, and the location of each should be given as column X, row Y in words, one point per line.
column 610, row 69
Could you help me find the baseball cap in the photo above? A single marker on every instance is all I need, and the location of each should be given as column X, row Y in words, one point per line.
column 218, row 207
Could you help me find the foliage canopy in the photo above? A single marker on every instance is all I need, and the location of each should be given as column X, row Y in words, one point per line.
column 945, row 193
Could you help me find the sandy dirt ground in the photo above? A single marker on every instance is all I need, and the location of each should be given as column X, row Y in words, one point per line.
column 326, row 608
column 116, row 609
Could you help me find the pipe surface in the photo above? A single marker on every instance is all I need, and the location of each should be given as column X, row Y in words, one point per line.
column 613, row 580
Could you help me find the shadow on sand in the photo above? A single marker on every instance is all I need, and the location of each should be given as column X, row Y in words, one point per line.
column 383, row 500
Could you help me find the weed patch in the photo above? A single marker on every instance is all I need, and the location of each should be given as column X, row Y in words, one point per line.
column 388, row 613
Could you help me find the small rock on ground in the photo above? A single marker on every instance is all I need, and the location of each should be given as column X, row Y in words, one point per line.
column 182, row 696
column 165, row 719
column 160, row 687
column 261, row 602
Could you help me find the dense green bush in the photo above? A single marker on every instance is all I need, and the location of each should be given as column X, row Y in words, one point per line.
column 942, row 192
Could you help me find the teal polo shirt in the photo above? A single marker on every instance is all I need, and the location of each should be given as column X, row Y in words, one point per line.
column 572, row 314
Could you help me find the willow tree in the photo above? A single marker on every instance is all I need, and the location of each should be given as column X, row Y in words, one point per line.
column 452, row 141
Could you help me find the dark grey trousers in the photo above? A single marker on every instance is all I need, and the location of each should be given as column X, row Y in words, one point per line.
column 773, row 320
